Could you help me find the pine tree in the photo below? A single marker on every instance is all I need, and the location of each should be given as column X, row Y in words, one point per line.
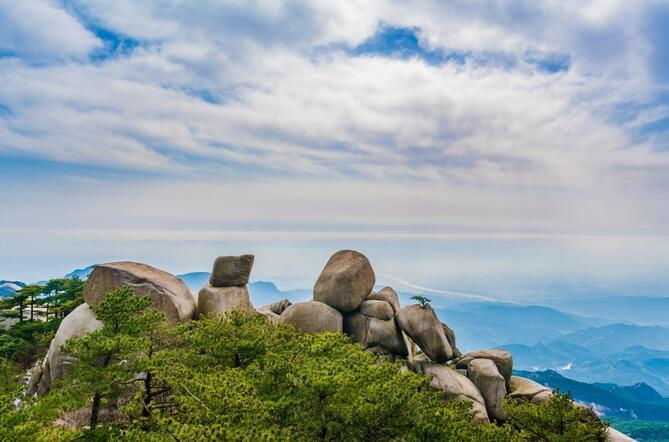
column 108, row 358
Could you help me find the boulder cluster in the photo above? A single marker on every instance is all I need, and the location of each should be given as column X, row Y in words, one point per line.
column 344, row 300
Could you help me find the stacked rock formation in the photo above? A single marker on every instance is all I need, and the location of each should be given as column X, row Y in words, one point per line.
column 344, row 299
column 226, row 289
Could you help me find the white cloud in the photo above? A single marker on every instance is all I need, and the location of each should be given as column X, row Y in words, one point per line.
column 40, row 30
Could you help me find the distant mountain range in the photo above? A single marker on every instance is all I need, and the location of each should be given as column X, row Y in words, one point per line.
column 80, row 273
column 642, row 310
column 8, row 288
column 638, row 401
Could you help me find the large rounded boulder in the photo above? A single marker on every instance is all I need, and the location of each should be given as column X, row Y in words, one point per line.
column 56, row 363
column 345, row 281
column 313, row 317
column 168, row 293
column 421, row 324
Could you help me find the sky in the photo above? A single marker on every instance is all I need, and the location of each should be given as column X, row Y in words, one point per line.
column 173, row 131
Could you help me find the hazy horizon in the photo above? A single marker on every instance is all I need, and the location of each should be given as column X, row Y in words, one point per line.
column 500, row 147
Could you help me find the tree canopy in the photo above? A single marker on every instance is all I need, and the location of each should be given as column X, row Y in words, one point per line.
column 240, row 377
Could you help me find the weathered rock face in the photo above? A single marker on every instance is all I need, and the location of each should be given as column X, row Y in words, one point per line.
column 273, row 311
column 313, row 317
column 56, row 363
column 345, row 281
column 386, row 294
column 613, row 435
column 455, row 387
column 219, row 300
column 483, row 373
column 230, row 271
column 377, row 309
column 374, row 332
column 542, row 397
column 386, row 334
column 168, row 293
column 421, row 325
column 523, row 388
column 502, row 359
column 450, row 337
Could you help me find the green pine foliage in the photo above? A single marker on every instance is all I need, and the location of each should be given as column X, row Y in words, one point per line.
column 558, row 420
column 38, row 311
column 241, row 377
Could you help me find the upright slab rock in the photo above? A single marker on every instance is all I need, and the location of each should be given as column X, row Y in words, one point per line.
column 450, row 337
column 56, row 363
column 168, row 293
column 423, row 327
column 230, row 271
column 455, row 387
column 313, row 317
column 345, row 281
column 484, row 374
column 219, row 300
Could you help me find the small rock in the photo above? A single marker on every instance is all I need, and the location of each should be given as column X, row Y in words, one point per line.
column 377, row 309
column 386, row 294
column 484, row 374
column 277, row 307
column 502, row 359
column 421, row 357
column 523, row 388
column 455, row 387
column 231, row 271
column 313, row 317
column 423, row 327
column 219, row 300
column 273, row 311
column 542, row 397
column 345, row 281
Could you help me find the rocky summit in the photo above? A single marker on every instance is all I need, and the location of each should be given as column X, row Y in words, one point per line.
column 343, row 301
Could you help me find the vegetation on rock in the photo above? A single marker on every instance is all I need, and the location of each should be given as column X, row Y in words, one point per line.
column 240, row 377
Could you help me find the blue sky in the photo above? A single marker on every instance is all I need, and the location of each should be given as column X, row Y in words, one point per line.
column 121, row 119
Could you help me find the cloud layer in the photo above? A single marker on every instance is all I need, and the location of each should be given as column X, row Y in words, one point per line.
column 498, row 116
